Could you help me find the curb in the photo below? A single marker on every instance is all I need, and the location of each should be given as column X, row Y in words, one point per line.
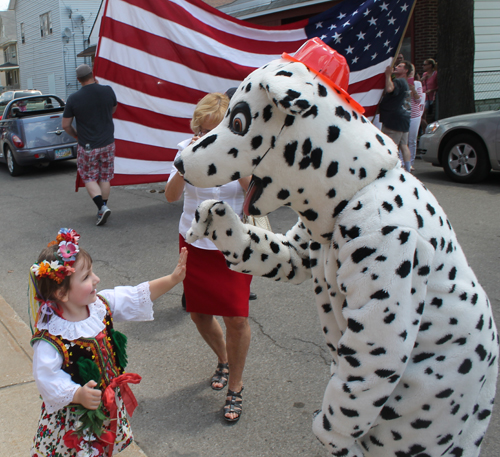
column 19, row 398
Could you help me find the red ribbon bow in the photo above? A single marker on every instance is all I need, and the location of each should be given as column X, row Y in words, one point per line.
column 129, row 400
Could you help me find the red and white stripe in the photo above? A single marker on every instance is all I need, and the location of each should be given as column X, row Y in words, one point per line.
column 162, row 56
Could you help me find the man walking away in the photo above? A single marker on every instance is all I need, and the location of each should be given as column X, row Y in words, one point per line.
column 93, row 107
column 395, row 108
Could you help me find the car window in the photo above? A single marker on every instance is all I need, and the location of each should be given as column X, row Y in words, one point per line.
column 25, row 94
column 37, row 104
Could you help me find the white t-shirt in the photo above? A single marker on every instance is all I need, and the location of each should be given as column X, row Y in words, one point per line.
column 232, row 193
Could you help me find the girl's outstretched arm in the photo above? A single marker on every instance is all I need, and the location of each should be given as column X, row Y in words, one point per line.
column 160, row 286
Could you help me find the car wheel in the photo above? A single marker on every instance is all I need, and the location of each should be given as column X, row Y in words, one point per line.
column 14, row 168
column 465, row 159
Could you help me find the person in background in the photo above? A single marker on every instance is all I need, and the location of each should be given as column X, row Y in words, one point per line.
column 417, row 108
column 93, row 107
column 429, row 82
column 210, row 287
column 395, row 108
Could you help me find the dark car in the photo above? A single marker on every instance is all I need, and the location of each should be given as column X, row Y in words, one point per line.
column 31, row 133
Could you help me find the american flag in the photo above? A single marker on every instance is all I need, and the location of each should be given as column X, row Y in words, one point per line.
column 162, row 56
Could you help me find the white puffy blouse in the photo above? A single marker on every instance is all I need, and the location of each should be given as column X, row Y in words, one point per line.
column 127, row 303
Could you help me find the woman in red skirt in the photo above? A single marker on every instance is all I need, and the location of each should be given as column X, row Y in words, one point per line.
column 210, row 287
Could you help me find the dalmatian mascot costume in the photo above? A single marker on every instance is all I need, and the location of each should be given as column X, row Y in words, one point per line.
column 410, row 329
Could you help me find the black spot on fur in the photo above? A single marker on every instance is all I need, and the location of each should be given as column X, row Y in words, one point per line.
column 333, row 133
column 306, row 146
column 207, row 141
column 235, row 176
column 313, row 111
column 284, row 73
column 316, row 156
column 421, row 423
column 283, row 194
column 274, row 247
column 332, row 170
column 309, row 214
column 380, row 295
column 289, row 153
column 289, row 120
column 380, row 139
column 349, row 412
column 256, row 142
column 388, row 229
column 267, row 112
column 422, row 356
column 233, row 152
column 246, row 254
column 404, row 269
column 352, row 233
column 465, row 367
column 212, row 169
column 322, row 92
column 388, row 413
column 445, row 393
column 354, row 326
column 340, row 207
column 360, row 254
column 342, row 113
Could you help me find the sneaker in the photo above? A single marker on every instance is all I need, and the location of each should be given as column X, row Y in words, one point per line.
column 102, row 215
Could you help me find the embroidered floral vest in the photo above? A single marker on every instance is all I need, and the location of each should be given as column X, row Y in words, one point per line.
column 101, row 350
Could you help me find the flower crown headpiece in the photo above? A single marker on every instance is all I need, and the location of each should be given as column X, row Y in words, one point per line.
column 57, row 270
column 41, row 309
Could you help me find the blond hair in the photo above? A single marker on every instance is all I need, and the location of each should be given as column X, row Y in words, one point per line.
column 211, row 107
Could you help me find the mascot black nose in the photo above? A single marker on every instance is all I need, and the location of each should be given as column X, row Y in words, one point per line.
column 179, row 165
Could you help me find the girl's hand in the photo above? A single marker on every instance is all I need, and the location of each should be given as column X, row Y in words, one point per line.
column 87, row 396
column 179, row 272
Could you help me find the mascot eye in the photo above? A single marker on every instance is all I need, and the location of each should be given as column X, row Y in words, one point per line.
column 240, row 119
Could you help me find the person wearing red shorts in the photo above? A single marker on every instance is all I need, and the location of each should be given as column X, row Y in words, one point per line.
column 92, row 107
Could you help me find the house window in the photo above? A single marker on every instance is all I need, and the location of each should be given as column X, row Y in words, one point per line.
column 23, row 40
column 45, row 25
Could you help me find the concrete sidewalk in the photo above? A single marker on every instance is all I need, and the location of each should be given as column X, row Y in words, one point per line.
column 19, row 399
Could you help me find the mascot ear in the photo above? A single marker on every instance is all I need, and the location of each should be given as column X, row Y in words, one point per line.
column 291, row 88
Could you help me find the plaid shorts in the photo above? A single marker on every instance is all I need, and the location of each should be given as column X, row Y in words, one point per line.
column 97, row 164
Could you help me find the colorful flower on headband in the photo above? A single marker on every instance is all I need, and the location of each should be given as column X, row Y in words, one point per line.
column 57, row 270
column 53, row 270
column 66, row 234
column 68, row 250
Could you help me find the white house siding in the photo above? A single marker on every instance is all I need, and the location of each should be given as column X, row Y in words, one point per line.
column 50, row 61
column 487, row 54
column 83, row 15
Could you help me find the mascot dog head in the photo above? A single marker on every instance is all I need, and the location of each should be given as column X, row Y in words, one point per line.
column 300, row 139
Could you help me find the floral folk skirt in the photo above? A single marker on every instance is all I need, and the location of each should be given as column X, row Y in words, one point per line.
column 52, row 427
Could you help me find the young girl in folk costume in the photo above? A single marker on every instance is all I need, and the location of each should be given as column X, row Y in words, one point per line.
column 79, row 358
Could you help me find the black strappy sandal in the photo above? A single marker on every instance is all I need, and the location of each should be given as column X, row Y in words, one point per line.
column 220, row 376
column 233, row 405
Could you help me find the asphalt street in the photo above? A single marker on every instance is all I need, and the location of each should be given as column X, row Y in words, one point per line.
column 288, row 364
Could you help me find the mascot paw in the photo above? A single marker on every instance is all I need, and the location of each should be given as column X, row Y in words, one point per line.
column 211, row 216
